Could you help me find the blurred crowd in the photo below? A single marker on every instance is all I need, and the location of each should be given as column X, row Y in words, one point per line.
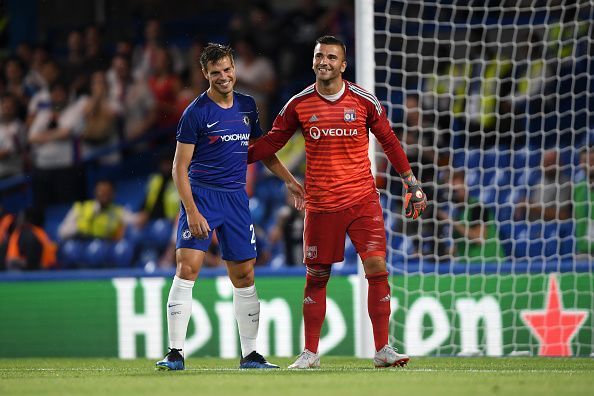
column 81, row 121
column 496, row 126
column 87, row 134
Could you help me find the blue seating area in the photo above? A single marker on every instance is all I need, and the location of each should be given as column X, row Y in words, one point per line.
column 501, row 180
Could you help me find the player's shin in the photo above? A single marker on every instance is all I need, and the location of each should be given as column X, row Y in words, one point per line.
column 179, row 310
column 314, row 307
column 247, row 313
column 378, row 306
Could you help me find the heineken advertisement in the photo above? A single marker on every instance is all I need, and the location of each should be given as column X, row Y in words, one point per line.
column 545, row 314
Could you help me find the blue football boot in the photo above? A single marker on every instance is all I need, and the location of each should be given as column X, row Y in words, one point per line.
column 172, row 361
column 255, row 361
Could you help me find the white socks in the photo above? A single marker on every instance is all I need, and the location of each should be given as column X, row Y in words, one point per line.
column 179, row 309
column 247, row 313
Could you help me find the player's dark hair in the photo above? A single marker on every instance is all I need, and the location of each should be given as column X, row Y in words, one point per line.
column 331, row 40
column 214, row 52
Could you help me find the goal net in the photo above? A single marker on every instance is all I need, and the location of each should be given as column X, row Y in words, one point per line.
column 493, row 104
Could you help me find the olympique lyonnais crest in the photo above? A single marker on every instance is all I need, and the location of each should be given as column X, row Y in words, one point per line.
column 350, row 115
column 311, row 252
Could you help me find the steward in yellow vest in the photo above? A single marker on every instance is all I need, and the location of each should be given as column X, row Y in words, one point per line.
column 98, row 218
column 161, row 199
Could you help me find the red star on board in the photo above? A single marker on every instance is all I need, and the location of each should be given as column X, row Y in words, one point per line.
column 554, row 327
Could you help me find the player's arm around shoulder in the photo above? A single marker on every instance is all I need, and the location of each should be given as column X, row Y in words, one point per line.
column 197, row 224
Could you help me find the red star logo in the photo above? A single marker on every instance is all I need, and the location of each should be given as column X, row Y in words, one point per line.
column 553, row 326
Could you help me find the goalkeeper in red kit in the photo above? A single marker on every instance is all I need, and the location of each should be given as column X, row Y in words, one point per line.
column 335, row 116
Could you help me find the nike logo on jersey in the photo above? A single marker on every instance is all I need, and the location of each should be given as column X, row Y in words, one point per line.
column 172, row 305
column 211, row 125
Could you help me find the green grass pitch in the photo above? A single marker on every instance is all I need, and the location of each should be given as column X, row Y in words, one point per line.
column 338, row 376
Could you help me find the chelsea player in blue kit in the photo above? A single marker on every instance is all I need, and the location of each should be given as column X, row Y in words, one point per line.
column 209, row 171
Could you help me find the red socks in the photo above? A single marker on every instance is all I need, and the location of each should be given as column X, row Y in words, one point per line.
column 378, row 306
column 314, row 304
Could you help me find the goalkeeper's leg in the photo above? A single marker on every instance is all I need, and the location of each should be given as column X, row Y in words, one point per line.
column 368, row 236
column 378, row 306
column 314, row 312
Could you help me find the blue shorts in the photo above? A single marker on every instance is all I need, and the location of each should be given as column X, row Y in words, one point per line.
column 228, row 212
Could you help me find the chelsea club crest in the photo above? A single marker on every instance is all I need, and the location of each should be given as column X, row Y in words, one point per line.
column 246, row 120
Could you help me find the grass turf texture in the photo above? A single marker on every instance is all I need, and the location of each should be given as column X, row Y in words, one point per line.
column 338, row 376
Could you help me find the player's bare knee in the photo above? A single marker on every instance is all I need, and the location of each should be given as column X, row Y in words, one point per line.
column 242, row 279
column 188, row 264
column 186, row 271
column 241, row 274
column 374, row 265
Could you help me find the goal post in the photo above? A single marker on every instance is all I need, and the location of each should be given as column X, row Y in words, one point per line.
column 365, row 76
column 493, row 104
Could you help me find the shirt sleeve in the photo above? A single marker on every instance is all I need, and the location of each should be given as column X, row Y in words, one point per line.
column 284, row 126
column 187, row 129
column 379, row 125
column 256, row 130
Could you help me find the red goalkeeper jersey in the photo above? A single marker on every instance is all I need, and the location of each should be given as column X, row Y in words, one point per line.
column 338, row 170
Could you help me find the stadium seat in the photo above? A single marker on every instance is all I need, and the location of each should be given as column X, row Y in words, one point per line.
column 71, row 253
column 97, row 253
column 474, row 159
column 459, row 159
column 518, row 159
column 148, row 258
column 350, row 253
column 503, row 177
column 473, row 177
column 504, row 195
column 520, row 177
column 489, row 176
column 566, row 237
column 505, row 234
column 401, row 243
column 489, row 159
column 503, row 160
column 551, row 239
column 121, row 254
column 156, row 233
column 488, row 194
column 519, row 240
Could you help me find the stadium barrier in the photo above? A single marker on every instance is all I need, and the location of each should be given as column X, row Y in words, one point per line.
column 121, row 313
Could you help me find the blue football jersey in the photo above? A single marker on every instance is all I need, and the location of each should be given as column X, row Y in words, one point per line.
column 221, row 138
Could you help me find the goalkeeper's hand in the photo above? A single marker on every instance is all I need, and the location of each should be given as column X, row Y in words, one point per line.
column 415, row 200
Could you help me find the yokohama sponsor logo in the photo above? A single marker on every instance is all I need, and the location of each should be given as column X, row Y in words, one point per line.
column 235, row 136
column 316, row 132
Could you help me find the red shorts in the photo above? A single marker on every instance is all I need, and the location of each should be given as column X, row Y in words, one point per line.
column 324, row 234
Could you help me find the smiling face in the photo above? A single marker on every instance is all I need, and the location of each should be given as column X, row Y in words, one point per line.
column 221, row 76
column 329, row 62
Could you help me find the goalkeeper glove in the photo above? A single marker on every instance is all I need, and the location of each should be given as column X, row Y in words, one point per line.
column 415, row 200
